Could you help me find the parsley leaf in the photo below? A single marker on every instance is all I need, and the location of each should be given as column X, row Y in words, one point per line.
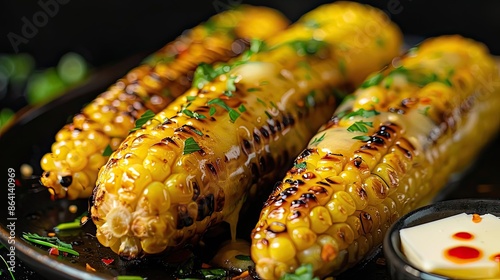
column 230, row 84
column 242, row 108
column 205, row 73
column 361, row 112
column 309, row 47
column 373, row 80
column 302, row 165
column 107, row 151
column 190, row 146
column 316, row 140
column 360, row 126
column 143, row 119
column 220, row 102
column 257, row 45
column 363, row 138
column 303, row 272
column 212, row 111
column 190, row 98
column 233, row 115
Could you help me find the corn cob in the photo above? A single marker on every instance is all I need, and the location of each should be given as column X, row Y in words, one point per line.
column 71, row 169
column 195, row 163
column 386, row 151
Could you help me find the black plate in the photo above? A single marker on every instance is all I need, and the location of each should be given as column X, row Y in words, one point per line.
column 31, row 135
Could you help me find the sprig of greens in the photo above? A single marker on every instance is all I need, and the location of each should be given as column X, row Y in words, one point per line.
column 360, row 126
column 71, row 225
column 53, row 242
column 107, row 151
column 318, row 140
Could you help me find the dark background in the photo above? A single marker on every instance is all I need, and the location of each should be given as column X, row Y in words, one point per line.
column 107, row 31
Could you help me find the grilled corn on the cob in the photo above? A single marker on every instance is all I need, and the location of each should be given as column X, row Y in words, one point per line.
column 385, row 152
column 72, row 166
column 195, row 162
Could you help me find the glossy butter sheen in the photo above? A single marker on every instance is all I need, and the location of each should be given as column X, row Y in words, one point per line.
column 428, row 246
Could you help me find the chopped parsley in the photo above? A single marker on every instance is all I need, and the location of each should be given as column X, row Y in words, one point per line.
column 107, row 151
column 205, row 73
column 303, row 272
column 363, row 138
column 253, row 89
column 302, row 165
column 192, row 114
column 373, row 80
column 190, row 146
column 143, row 119
column 317, row 140
column 212, row 111
column 243, row 257
column 71, row 225
column 230, row 84
column 190, row 98
column 242, row 108
column 425, row 111
column 233, row 115
column 361, row 112
column 360, row 126
column 307, row 47
column 220, row 102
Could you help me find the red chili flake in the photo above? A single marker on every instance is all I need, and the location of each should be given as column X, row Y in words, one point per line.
column 107, row 261
column 54, row 251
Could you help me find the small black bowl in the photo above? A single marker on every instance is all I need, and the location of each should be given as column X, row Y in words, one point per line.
column 398, row 266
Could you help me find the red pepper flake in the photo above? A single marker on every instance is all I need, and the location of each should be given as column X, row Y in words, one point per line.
column 108, row 261
column 54, row 251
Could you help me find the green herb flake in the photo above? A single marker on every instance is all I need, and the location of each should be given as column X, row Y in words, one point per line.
column 302, row 165
column 53, row 242
column 373, row 80
column 230, row 84
column 268, row 115
column 317, row 140
column 342, row 67
column 76, row 224
column 213, row 273
column 363, row 113
column 243, row 257
column 212, row 111
column 242, row 108
column 220, row 102
column 233, row 115
column 307, row 47
column 425, row 111
column 228, row 93
column 5, row 262
column 447, row 82
column 380, row 42
column 128, row 277
column 205, row 73
column 190, row 98
column 253, row 89
column 190, row 146
column 303, row 272
column 197, row 131
column 261, row 102
column 257, row 45
column 363, row 138
column 188, row 113
column 143, row 119
column 107, row 151
column 360, row 126
column 264, row 83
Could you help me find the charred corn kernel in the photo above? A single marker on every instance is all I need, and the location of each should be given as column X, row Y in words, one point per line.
column 107, row 120
column 214, row 145
column 399, row 153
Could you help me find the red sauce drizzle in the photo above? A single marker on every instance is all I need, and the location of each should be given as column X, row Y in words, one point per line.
column 463, row 254
column 462, row 235
column 476, row 218
column 496, row 258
